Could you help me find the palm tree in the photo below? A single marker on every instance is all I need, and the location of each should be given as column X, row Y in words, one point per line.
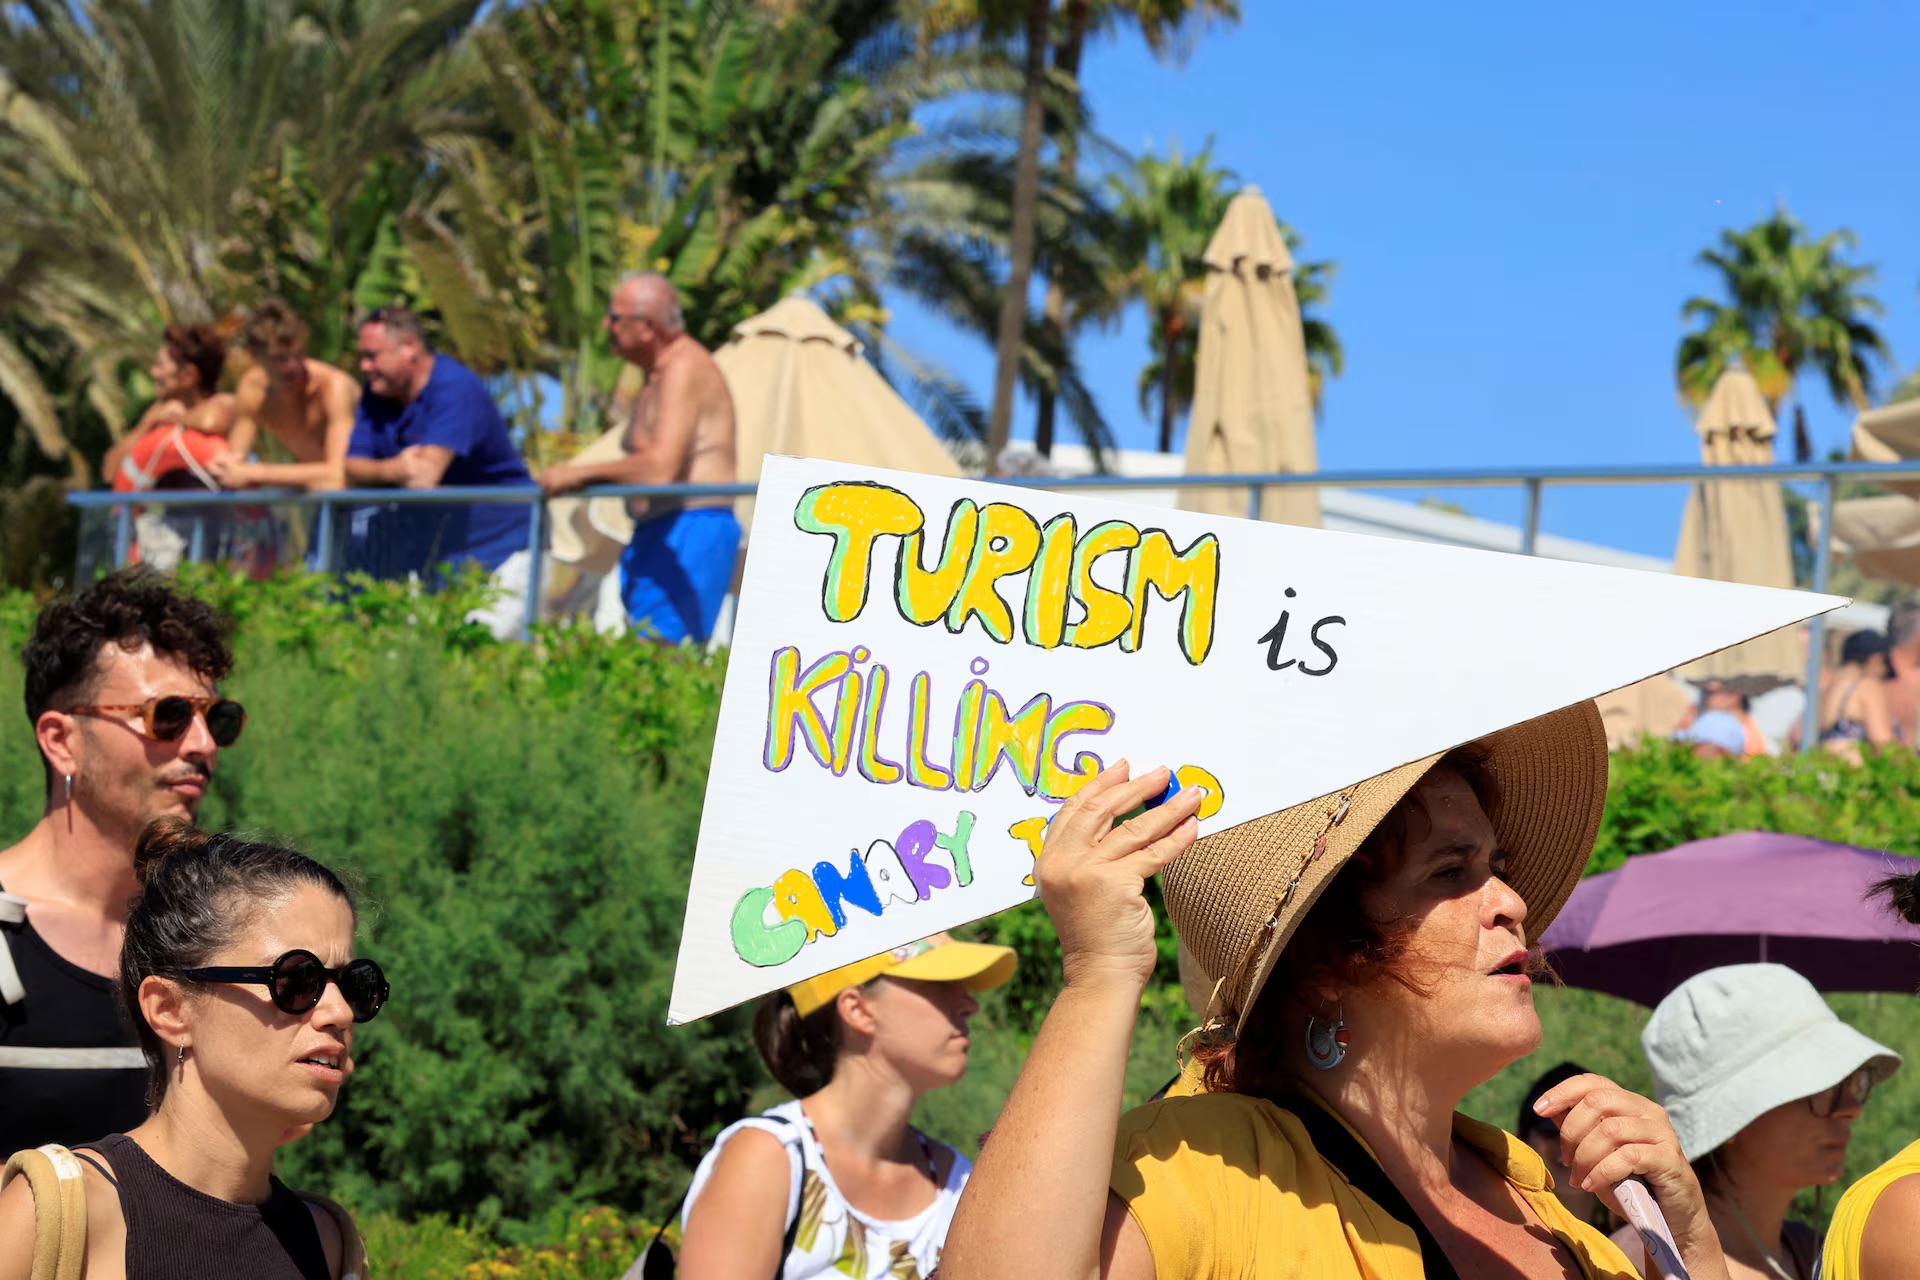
column 943, row 241
column 1168, row 27
column 170, row 160
column 770, row 157
column 1021, row 240
column 1791, row 302
column 1169, row 210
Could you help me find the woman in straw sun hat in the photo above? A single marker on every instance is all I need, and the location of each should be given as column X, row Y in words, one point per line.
column 1369, row 964
column 1763, row 1084
column 839, row 1182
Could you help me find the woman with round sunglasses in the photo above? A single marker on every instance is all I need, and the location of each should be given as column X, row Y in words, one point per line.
column 1763, row 1084
column 239, row 978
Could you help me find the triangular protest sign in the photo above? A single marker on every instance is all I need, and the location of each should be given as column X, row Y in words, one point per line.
column 923, row 668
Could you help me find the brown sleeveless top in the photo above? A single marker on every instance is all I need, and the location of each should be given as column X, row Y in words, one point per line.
column 177, row 1233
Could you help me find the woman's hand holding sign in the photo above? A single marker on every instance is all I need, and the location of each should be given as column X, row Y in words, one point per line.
column 1093, row 867
column 1027, row 1204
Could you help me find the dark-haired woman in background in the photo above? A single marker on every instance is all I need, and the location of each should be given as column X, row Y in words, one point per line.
column 1875, row 1232
column 239, row 978
column 839, row 1182
column 1854, row 706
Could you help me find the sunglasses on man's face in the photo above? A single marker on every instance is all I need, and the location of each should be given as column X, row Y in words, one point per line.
column 168, row 718
column 297, row 980
column 1851, row 1092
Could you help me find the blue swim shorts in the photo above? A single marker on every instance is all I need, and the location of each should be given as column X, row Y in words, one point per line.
column 676, row 571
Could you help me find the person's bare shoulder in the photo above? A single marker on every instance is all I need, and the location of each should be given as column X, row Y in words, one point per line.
column 106, row 1231
column 334, row 381
column 250, row 393
column 106, row 1228
column 753, row 1155
column 741, row 1205
column 16, row 1231
column 332, row 1242
column 709, row 389
column 1888, row 1248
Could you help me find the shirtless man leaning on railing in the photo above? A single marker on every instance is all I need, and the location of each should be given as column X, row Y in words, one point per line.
column 305, row 404
column 679, row 565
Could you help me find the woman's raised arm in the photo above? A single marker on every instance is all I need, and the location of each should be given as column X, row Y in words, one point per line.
column 1037, row 1203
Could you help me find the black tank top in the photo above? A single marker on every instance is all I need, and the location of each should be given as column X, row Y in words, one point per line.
column 176, row 1233
column 66, row 1007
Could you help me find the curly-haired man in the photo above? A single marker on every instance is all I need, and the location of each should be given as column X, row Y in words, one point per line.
column 120, row 691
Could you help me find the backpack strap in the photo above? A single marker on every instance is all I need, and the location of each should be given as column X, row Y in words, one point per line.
column 13, row 911
column 59, row 1209
column 656, row 1261
column 1344, row 1152
column 353, row 1250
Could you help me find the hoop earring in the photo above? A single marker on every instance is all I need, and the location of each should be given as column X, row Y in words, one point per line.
column 1327, row 1041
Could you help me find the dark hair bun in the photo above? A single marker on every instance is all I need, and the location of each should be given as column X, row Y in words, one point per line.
column 799, row 1052
column 163, row 838
column 1902, row 894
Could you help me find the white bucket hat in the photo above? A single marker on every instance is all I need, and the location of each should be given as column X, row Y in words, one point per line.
column 1731, row 1044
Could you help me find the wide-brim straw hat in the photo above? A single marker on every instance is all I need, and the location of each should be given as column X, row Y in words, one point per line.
column 1237, row 896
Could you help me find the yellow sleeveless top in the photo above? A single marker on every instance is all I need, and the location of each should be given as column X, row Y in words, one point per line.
column 1230, row 1187
column 1841, row 1258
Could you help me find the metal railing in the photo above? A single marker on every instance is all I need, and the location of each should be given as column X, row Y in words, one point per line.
column 1532, row 481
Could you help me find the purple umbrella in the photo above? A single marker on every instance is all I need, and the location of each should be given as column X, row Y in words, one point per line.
column 1642, row 929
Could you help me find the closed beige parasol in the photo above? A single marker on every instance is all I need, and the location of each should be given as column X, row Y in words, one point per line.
column 1252, row 409
column 801, row 387
column 1736, row 530
column 1883, row 532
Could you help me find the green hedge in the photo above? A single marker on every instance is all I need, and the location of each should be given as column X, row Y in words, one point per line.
column 522, row 820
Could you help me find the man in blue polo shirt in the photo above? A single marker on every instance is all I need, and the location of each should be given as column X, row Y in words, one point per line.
column 428, row 421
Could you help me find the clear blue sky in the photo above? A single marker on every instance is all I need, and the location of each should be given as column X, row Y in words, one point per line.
column 1514, row 194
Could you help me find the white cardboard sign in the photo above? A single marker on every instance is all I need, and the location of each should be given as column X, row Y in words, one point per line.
column 924, row 668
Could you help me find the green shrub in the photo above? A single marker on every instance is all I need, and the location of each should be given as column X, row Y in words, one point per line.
column 592, row 1244
column 521, row 819
column 1662, row 795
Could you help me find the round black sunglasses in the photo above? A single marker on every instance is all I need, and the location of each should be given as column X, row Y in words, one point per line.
column 297, row 980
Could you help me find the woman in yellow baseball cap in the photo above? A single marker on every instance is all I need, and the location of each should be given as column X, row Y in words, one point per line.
column 839, row 1181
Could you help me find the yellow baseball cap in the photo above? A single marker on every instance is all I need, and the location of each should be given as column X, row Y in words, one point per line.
column 935, row 959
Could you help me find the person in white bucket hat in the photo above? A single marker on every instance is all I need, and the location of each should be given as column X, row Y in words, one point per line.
column 1762, row 1083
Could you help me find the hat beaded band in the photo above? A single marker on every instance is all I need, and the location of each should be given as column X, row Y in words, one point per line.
column 1263, row 939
